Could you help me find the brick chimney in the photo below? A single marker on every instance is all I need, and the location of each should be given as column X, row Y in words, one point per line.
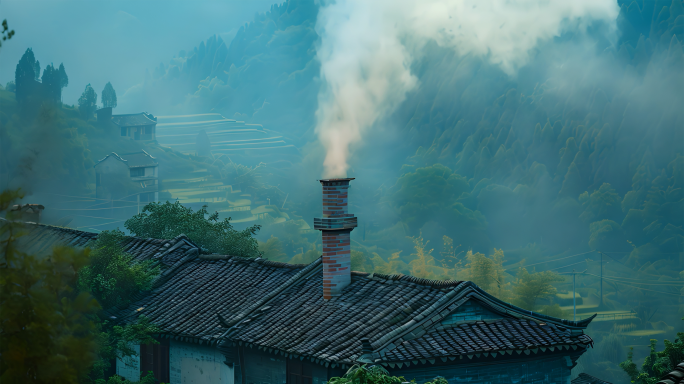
column 27, row 212
column 335, row 226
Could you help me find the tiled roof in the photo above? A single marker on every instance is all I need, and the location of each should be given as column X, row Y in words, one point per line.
column 277, row 307
column 134, row 119
column 139, row 159
column 132, row 160
column 185, row 303
column 40, row 238
column 674, row 377
column 400, row 315
column 483, row 337
column 584, row 378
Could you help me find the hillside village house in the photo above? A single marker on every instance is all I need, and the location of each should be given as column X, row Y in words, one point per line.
column 137, row 126
column 233, row 320
column 131, row 177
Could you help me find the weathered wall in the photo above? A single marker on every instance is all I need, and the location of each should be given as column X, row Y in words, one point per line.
column 543, row 371
column 196, row 364
column 264, row 368
column 129, row 367
column 319, row 374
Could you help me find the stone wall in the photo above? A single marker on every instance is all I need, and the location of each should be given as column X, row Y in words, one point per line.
column 197, row 364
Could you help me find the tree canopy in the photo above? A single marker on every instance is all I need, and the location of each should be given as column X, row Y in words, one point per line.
column 87, row 103
column 108, row 96
column 168, row 220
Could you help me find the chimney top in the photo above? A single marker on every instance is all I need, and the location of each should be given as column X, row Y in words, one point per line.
column 340, row 181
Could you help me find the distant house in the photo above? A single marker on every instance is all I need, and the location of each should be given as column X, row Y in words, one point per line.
column 137, row 126
column 27, row 212
column 130, row 177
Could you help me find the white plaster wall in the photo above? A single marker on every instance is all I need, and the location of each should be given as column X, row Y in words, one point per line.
column 112, row 165
column 129, row 367
column 197, row 364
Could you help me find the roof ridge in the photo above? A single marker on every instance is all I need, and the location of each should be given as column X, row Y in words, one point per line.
column 260, row 260
column 63, row 229
column 409, row 279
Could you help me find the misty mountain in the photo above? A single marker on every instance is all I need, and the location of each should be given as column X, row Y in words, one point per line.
column 265, row 74
column 535, row 149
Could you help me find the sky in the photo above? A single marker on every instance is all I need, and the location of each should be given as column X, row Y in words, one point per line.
column 114, row 40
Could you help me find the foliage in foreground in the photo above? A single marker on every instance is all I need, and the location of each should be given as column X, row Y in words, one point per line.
column 50, row 331
column 656, row 364
column 112, row 277
column 375, row 374
column 47, row 328
column 168, row 220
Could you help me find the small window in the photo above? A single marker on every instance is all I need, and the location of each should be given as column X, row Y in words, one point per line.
column 124, row 131
column 137, row 172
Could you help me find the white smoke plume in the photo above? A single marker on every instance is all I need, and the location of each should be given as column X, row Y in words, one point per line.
column 367, row 47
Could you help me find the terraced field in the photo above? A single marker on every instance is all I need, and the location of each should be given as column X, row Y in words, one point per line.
column 251, row 143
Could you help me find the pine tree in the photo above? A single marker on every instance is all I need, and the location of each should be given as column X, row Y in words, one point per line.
column 63, row 80
column 108, row 96
column 51, row 83
column 24, row 76
column 87, row 103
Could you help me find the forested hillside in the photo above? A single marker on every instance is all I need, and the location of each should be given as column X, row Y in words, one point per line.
column 579, row 151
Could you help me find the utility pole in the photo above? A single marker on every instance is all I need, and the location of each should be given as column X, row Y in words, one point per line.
column 601, row 283
column 574, row 293
column 574, row 297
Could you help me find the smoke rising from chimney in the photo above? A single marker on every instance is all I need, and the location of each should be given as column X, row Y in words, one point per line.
column 367, row 48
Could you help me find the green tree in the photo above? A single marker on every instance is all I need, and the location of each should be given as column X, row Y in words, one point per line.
column 51, row 83
column 108, row 96
column 656, row 364
column 87, row 103
column 530, row 288
column 272, row 249
column 168, row 220
column 487, row 272
column 450, row 259
column 47, row 328
column 24, row 76
column 112, row 276
column 375, row 374
column 10, row 86
column 603, row 204
column 63, row 79
column 6, row 32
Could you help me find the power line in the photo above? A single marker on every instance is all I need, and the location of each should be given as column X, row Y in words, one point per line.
column 629, row 278
column 99, row 225
column 644, row 289
column 569, row 265
column 548, row 261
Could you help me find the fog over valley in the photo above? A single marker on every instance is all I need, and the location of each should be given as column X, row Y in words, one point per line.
column 534, row 148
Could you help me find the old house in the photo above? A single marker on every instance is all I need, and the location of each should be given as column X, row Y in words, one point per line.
column 27, row 212
column 234, row 320
column 130, row 177
column 137, row 126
